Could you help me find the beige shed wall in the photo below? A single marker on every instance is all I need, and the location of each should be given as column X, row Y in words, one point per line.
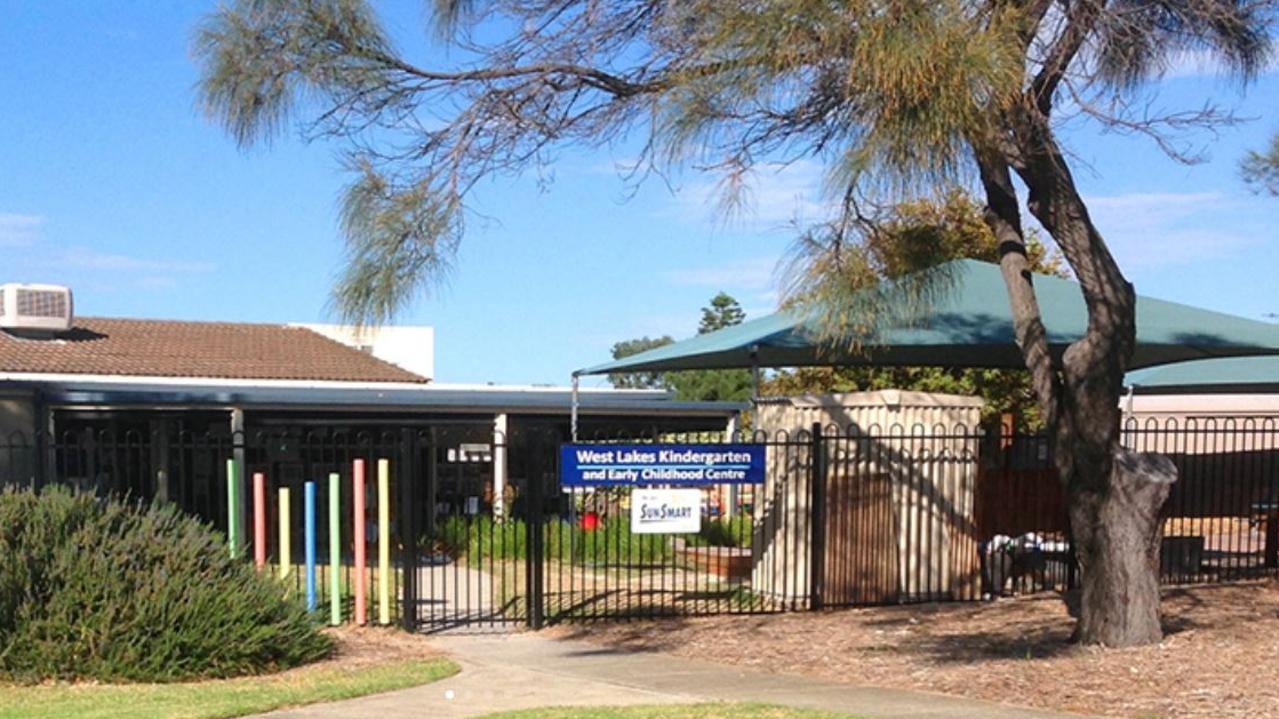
column 901, row 481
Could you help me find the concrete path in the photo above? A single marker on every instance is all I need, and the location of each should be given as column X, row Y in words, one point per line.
column 523, row 671
column 453, row 594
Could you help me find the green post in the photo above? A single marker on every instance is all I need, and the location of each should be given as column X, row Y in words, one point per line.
column 233, row 508
column 335, row 552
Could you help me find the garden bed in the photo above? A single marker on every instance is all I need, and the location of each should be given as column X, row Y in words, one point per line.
column 1220, row 658
column 725, row 562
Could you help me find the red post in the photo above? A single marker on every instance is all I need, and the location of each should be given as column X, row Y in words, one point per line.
column 259, row 519
column 357, row 478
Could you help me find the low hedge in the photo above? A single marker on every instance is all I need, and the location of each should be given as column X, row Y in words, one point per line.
column 102, row 590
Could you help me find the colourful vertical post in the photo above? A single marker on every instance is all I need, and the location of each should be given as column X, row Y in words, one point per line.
column 335, row 551
column 384, row 541
column 233, row 508
column 357, row 484
column 286, row 546
column 259, row 519
column 308, row 512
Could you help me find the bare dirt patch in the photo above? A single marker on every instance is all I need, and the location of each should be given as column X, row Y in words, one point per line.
column 1219, row 659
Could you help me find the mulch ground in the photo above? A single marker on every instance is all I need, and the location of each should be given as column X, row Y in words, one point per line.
column 1219, row 658
column 364, row 646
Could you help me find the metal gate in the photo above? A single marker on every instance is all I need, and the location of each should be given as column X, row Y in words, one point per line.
column 525, row 552
column 474, row 536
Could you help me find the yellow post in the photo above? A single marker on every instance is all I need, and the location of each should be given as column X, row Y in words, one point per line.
column 286, row 559
column 384, row 541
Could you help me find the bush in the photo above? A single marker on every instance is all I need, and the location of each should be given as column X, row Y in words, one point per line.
column 481, row 539
column 729, row 532
column 108, row 591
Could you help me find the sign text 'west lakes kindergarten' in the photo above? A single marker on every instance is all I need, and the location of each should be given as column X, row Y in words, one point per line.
column 617, row 465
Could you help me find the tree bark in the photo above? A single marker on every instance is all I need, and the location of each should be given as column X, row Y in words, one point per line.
column 1116, row 535
column 1115, row 496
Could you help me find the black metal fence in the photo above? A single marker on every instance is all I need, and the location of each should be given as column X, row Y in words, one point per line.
column 483, row 536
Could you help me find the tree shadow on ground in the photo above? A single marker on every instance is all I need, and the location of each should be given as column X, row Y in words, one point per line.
column 1023, row 628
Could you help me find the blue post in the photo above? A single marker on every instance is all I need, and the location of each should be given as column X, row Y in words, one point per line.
column 310, row 545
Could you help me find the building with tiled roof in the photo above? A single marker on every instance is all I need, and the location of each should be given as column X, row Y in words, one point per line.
column 153, row 408
column 196, row 350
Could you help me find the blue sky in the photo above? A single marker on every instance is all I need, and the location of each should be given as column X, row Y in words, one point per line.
column 112, row 181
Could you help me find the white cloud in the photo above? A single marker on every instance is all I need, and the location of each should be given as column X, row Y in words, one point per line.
column 1163, row 229
column 1202, row 63
column 771, row 196
column 88, row 259
column 19, row 230
column 746, row 274
column 1153, row 201
column 83, row 267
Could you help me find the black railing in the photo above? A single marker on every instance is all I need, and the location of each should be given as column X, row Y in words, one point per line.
column 847, row 516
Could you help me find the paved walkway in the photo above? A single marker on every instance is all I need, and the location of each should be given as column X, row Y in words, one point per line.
column 523, row 671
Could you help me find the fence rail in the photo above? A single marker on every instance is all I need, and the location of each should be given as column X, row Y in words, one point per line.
column 846, row 516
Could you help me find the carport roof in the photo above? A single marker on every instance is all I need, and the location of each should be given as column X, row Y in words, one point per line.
column 426, row 398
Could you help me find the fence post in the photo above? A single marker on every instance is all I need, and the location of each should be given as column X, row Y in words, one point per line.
column 817, row 520
column 45, row 444
column 407, row 470
column 159, row 479
column 533, row 509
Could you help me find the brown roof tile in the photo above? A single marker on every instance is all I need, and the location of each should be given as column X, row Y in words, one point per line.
column 165, row 348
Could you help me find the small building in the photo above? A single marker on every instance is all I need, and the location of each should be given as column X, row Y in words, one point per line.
column 900, row 471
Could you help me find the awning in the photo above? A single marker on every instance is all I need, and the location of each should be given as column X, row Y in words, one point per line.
column 968, row 325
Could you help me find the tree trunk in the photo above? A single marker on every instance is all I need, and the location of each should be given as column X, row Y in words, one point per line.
column 1116, row 537
column 1115, row 496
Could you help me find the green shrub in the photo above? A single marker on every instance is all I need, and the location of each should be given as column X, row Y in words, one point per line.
column 481, row 539
column 611, row 544
column 727, row 532
column 108, row 591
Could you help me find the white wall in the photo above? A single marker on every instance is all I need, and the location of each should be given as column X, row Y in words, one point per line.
column 410, row 347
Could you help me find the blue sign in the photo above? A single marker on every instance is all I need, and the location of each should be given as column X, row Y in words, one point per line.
column 690, row 465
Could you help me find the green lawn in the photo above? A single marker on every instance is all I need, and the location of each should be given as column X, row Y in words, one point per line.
column 672, row 711
column 218, row 698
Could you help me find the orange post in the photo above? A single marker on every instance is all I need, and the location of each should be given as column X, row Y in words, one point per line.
column 259, row 519
column 357, row 479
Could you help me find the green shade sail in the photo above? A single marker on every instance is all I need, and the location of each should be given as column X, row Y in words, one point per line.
column 967, row 324
column 1245, row 374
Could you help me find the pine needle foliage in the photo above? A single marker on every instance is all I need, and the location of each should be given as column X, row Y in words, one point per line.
column 891, row 95
column 1261, row 168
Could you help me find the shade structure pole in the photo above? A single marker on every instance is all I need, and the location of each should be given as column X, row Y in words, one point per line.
column 573, row 411
column 755, row 374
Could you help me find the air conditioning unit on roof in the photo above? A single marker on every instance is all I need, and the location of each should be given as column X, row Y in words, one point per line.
column 35, row 307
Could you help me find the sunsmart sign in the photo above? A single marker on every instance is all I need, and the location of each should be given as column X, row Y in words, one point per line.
column 666, row 511
column 692, row 465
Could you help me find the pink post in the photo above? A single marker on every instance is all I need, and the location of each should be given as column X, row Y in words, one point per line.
column 259, row 519
column 357, row 478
